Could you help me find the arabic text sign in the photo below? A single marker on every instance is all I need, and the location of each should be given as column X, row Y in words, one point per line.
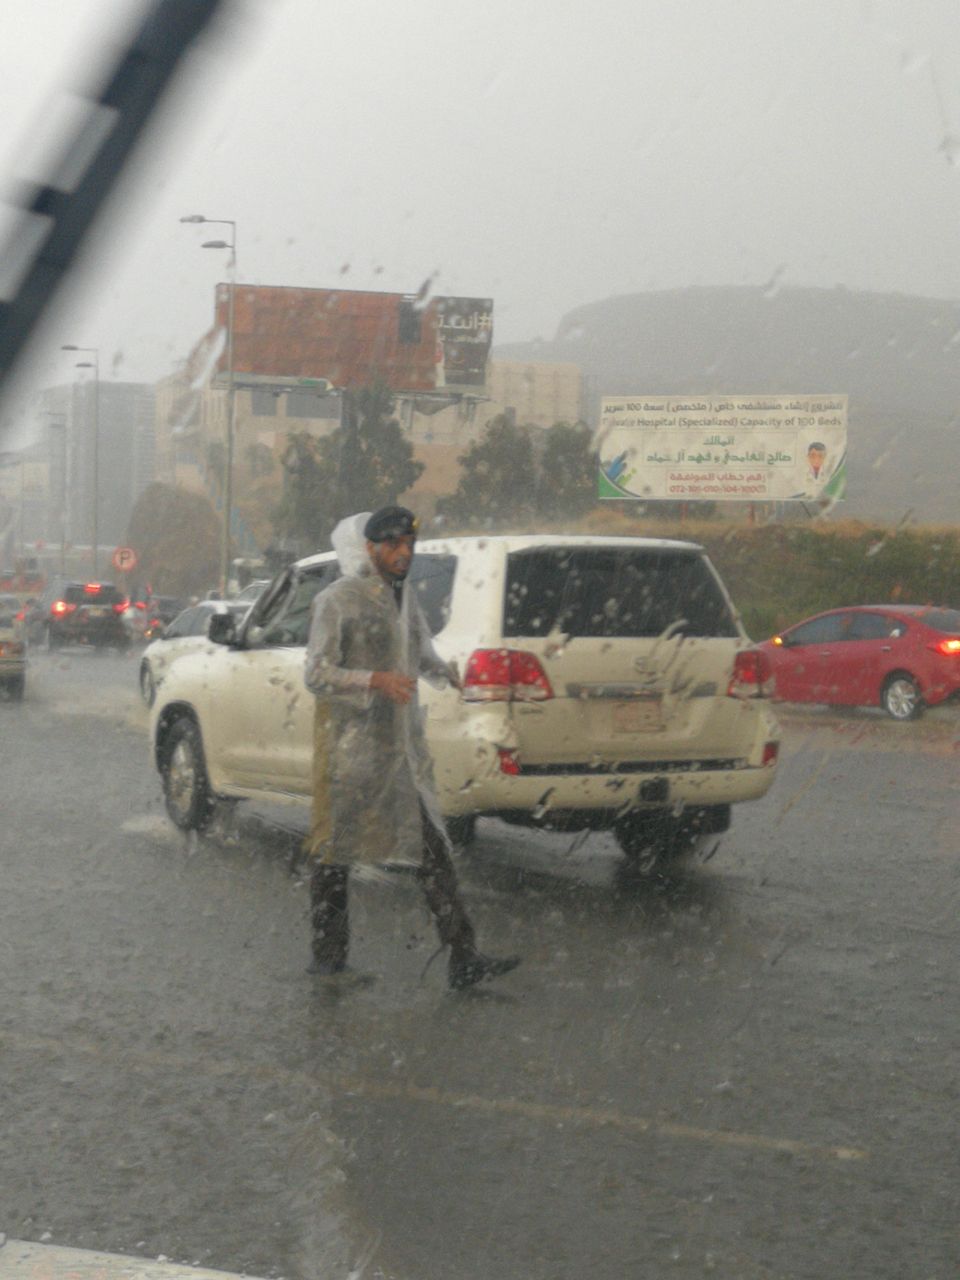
column 722, row 448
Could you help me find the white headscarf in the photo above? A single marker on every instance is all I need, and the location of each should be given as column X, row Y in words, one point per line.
column 351, row 546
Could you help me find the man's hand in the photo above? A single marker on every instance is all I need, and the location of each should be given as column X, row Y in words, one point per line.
column 393, row 685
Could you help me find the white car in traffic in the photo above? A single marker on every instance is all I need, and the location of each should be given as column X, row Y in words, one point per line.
column 607, row 684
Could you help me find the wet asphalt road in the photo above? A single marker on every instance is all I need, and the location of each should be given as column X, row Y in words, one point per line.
column 748, row 1071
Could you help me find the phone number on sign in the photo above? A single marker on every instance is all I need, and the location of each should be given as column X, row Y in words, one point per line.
column 718, row 490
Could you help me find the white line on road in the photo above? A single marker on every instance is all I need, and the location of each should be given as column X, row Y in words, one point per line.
column 406, row 1091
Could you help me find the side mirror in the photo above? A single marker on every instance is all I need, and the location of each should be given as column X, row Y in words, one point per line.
column 222, row 629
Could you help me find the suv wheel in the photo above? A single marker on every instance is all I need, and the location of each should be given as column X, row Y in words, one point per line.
column 186, row 790
column 648, row 840
column 148, row 689
column 15, row 688
column 461, row 830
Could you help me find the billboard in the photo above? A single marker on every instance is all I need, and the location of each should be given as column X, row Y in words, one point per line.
column 732, row 448
column 464, row 329
column 348, row 338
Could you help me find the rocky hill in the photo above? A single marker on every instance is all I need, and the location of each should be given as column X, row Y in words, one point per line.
column 896, row 357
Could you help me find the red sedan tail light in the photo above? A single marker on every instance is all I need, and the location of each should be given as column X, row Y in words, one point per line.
column 949, row 647
column 752, row 675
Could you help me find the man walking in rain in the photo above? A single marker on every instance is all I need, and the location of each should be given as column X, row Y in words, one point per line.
column 373, row 795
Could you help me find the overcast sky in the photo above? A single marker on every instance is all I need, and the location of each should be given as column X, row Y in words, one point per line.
column 546, row 153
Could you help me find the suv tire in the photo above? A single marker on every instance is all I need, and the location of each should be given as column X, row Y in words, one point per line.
column 462, row 830
column 148, row 688
column 647, row 840
column 186, row 789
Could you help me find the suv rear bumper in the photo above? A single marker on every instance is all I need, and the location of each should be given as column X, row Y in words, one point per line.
column 98, row 632
column 651, row 790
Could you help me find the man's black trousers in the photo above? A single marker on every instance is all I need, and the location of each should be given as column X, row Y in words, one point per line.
column 329, row 904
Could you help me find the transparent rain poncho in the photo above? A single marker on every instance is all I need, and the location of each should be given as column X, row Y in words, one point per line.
column 371, row 771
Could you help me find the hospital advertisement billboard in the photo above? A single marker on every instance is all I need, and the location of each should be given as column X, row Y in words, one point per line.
column 731, row 448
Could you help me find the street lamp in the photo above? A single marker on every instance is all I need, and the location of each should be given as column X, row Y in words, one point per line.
column 230, row 244
column 58, row 423
column 93, row 364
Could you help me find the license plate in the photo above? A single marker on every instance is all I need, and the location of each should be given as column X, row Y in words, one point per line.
column 96, row 613
column 639, row 715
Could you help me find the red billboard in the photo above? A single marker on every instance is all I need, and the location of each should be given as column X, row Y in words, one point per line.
column 352, row 339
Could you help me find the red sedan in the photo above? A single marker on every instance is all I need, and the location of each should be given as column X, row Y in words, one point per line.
column 900, row 657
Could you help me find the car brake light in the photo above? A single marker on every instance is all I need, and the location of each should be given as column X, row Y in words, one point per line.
column 122, row 607
column 92, row 588
column 60, row 607
column 949, row 648
column 509, row 762
column 505, row 675
column 752, row 675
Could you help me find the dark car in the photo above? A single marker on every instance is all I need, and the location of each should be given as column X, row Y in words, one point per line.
column 82, row 613
column 160, row 612
column 899, row 657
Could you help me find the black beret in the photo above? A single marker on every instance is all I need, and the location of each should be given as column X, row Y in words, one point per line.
column 390, row 522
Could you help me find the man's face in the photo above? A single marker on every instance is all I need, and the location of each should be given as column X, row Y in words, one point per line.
column 392, row 556
column 815, row 457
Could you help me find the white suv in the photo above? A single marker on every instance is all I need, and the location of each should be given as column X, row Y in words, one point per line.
column 607, row 684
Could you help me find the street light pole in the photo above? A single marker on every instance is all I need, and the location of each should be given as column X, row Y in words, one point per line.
column 95, row 366
column 61, row 425
column 230, row 244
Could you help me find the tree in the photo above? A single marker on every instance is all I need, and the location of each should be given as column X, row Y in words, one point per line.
column 376, row 462
column 567, row 483
column 176, row 535
column 259, row 459
column 305, row 512
column 498, row 481
column 364, row 464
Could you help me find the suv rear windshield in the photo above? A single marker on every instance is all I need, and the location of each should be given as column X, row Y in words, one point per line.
column 104, row 594
column 614, row 592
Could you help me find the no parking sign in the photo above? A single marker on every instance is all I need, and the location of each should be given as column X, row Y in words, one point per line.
column 125, row 559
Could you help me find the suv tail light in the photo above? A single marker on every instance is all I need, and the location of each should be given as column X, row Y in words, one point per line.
column 60, row 607
column 505, row 675
column 122, row 607
column 752, row 675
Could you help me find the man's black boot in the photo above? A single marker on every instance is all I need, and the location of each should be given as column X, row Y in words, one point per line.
column 467, row 968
